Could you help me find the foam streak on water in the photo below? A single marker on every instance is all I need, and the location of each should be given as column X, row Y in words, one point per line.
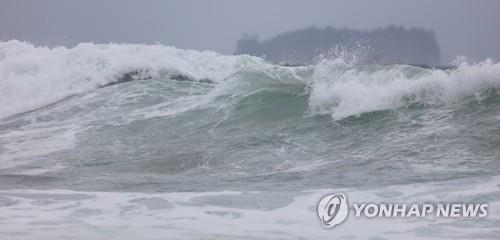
column 36, row 76
column 279, row 215
column 124, row 140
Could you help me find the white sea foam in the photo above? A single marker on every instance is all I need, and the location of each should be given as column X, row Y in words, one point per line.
column 32, row 77
column 23, row 147
column 342, row 90
column 54, row 214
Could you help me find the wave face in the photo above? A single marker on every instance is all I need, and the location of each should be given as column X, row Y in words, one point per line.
column 150, row 118
column 33, row 77
column 36, row 76
column 349, row 91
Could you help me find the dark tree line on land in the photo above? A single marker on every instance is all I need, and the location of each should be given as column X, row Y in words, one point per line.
column 383, row 46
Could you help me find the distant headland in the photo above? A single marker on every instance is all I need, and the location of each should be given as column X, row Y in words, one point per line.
column 392, row 44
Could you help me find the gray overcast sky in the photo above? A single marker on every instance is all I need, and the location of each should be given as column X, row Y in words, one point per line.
column 463, row 27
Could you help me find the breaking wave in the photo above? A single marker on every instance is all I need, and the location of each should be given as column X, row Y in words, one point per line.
column 32, row 77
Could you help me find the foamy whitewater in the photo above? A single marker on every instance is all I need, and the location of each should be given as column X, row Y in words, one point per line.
column 153, row 142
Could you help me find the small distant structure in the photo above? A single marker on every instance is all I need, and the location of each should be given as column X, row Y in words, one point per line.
column 392, row 44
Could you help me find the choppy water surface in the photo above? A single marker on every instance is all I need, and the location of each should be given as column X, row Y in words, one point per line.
column 143, row 141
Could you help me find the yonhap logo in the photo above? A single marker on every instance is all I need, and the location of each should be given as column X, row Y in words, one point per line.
column 333, row 209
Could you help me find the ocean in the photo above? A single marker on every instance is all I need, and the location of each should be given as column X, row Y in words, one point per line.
column 128, row 141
